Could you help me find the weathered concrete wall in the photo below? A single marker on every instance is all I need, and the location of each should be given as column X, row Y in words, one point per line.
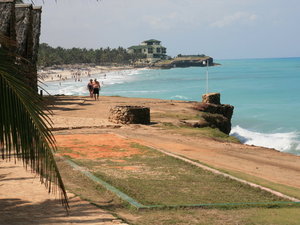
column 24, row 30
column 7, row 19
column 27, row 34
column 20, row 24
column 35, row 36
column 36, row 32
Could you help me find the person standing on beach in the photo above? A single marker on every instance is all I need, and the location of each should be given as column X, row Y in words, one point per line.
column 96, row 88
column 90, row 88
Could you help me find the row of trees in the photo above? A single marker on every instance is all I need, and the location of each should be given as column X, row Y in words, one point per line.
column 49, row 56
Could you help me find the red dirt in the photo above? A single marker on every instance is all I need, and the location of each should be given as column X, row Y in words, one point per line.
column 95, row 146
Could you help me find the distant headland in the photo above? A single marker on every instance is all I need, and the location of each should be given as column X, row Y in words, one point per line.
column 149, row 53
column 155, row 55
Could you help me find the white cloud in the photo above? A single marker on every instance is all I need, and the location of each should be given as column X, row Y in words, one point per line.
column 238, row 17
column 165, row 22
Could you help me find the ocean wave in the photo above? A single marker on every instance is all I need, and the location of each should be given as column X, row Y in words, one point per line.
column 126, row 91
column 179, row 97
column 135, row 71
column 69, row 90
column 71, row 87
column 285, row 142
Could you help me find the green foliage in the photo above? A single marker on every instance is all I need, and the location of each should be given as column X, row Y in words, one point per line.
column 49, row 56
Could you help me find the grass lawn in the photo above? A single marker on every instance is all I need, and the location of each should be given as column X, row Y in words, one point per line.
column 153, row 178
column 130, row 173
column 249, row 216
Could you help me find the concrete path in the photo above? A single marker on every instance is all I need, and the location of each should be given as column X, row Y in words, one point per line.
column 24, row 201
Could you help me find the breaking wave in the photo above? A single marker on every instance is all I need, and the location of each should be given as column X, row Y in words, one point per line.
column 285, row 142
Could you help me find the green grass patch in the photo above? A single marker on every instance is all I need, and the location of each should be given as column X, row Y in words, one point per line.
column 63, row 150
column 153, row 178
column 77, row 183
column 285, row 189
column 191, row 131
column 209, row 132
column 249, row 216
column 178, row 116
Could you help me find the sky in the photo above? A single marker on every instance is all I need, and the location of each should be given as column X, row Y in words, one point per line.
column 222, row 29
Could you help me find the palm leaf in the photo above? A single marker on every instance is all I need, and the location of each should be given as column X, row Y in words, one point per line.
column 24, row 121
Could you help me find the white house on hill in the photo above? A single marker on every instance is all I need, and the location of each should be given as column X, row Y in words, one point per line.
column 151, row 48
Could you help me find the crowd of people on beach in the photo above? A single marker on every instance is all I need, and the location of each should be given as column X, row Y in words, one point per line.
column 94, row 88
column 63, row 75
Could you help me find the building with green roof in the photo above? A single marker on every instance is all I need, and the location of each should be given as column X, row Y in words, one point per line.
column 151, row 48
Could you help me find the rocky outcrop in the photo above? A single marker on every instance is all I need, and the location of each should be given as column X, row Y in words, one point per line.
column 215, row 114
column 218, row 121
column 223, row 109
column 185, row 62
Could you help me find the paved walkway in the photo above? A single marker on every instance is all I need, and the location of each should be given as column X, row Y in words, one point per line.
column 24, row 201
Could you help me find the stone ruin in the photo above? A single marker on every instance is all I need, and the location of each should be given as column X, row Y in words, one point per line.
column 216, row 115
column 212, row 98
column 125, row 114
column 22, row 23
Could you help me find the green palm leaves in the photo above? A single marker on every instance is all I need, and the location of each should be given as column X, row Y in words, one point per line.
column 24, row 124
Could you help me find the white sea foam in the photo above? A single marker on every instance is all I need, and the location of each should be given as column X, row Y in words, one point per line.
column 139, row 92
column 117, row 77
column 72, row 87
column 286, row 142
column 179, row 97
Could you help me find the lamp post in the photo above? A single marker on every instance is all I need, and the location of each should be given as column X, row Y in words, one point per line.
column 206, row 62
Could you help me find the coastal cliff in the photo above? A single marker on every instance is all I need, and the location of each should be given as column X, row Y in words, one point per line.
column 214, row 114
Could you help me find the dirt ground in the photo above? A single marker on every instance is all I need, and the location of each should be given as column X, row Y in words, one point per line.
column 24, row 201
column 22, row 198
column 91, row 116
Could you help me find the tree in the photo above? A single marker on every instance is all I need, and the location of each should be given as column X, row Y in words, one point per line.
column 24, row 122
column 49, row 56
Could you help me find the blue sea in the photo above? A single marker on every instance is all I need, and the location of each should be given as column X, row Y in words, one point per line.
column 264, row 92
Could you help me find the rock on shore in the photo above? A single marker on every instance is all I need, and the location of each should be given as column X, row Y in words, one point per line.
column 215, row 114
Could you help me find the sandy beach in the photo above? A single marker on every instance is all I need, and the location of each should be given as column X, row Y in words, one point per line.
column 75, row 72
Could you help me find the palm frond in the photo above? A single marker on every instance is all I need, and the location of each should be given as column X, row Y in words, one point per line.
column 24, row 121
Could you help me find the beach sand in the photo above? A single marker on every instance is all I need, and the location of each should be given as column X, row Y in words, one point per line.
column 67, row 72
column 23, row 200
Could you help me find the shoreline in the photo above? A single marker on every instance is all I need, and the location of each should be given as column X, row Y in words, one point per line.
column 76, row 71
